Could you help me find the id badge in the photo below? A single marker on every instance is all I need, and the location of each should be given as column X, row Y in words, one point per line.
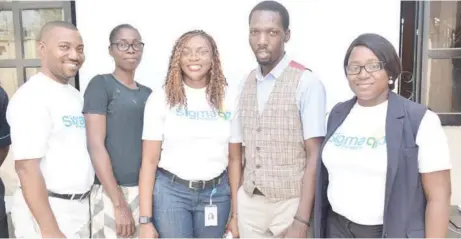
column 211, row 216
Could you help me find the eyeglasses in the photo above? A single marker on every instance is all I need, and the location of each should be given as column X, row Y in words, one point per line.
column 370, row 68
column 123, row 46
column 201, row 53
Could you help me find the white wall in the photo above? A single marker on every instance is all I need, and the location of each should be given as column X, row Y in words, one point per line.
column 321, row 32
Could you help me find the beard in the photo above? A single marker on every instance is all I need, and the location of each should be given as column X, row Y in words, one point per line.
column 264, row 62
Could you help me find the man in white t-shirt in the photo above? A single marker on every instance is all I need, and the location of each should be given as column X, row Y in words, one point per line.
column 49, row 142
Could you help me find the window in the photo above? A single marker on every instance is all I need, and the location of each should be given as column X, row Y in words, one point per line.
column 431, row 56
column 20, row 23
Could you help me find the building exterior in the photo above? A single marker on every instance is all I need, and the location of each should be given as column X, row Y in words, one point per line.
column 427, row 34
column 430, row 48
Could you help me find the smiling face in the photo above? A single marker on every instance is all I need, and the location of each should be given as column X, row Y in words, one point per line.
column 195, row 60
column 369, row 84
column 127, row 49
column 62, row 53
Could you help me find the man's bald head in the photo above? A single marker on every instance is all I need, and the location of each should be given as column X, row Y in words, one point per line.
column 61, row 50
column 50, row 26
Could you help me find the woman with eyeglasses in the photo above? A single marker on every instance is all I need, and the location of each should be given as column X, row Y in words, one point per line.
column 114, row 110
column 384, row 169
column 185, row 188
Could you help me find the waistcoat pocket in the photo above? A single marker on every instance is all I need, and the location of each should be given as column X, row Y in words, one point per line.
column 415, row 234
column 410, row 153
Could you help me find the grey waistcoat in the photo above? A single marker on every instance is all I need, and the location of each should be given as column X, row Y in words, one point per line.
column 405, row 203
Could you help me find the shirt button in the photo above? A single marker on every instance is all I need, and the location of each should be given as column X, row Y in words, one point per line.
column 258, row 166
column 258, row 129
column 254, row 183
column 258, row 148
column 385, row 234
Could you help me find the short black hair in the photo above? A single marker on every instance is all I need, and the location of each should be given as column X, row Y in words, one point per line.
column 274, row 7
column 54, row 24
column 383, row 49
column 116, row 30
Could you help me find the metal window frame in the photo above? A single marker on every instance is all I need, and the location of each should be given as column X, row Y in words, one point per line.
column 421, row 52
column 407, row 84
column 20, row 63
column 422, row 56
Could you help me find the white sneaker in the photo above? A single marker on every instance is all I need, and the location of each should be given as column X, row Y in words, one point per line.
column 459, row 207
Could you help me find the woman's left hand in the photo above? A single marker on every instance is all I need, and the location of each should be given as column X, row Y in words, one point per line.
column 232, row 226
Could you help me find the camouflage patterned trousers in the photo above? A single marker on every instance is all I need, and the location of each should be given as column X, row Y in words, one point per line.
column 102, row 211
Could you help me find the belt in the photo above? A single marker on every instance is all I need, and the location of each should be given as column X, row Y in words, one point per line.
column 69, row 196
column 193, row 184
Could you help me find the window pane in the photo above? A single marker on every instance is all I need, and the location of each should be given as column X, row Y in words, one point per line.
column 444, row 24
column 9, row 80
column 32, row 21
column 30, row 71
column 7, row 46
column 443, row 92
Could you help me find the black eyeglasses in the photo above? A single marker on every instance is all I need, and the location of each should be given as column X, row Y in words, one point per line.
column 123, row 46
column 370, row 68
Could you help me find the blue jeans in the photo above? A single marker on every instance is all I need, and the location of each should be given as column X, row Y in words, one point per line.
column 178, row 212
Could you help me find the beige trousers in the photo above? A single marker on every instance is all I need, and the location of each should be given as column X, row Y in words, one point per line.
column 72, row 216
column 259, row 217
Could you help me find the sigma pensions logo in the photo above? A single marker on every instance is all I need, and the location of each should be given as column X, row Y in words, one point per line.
column 204, row 114
column 73, row 121
column 357, row 142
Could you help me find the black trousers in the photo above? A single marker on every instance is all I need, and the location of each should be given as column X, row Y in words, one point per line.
column 341, row 227
column 3, row 220
column 3, row 217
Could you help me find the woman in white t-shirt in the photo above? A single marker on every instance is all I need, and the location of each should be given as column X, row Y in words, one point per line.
column 187, row 124
column 384, row 169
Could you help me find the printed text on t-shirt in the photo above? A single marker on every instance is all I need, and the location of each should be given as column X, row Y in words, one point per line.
column 357, row 142
column 73, row 121
column 203, row 114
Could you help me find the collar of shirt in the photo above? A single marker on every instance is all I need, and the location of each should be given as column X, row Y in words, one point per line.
column 50, row 81
column 276, row 72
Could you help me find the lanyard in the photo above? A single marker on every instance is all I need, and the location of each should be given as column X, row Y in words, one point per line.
column 211, row 195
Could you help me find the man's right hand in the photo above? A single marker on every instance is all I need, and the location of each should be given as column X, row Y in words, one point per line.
column 53, row 234
column 148, row 231
column 124, row 221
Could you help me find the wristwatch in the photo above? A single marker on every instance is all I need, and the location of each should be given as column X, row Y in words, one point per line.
column 145, row 220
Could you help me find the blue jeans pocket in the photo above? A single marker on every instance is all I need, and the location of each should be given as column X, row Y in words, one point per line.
column 171, row 215
column 178, row 212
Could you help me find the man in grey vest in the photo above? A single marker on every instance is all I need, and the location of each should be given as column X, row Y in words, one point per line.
column 282, row 121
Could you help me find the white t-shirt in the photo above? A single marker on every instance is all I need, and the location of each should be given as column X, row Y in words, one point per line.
column 46, row 122
column 356, row 159
column 195, row 140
